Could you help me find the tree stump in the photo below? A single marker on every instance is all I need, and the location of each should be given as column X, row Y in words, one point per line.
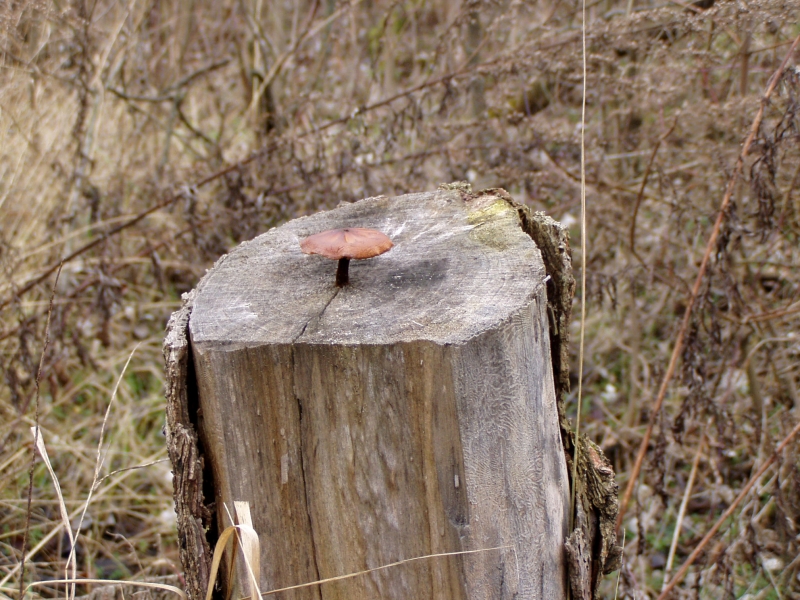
column 410, row 413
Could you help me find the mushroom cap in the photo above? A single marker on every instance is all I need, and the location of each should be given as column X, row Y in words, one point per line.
column 351, row 242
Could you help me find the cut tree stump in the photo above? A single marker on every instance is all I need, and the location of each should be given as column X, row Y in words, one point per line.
column 410, row 413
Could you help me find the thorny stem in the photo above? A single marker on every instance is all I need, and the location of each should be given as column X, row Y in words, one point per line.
column 342, row 275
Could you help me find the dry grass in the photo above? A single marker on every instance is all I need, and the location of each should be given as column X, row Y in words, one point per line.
column 108, row 109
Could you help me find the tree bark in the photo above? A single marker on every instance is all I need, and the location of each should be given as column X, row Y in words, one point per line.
column 410, row 413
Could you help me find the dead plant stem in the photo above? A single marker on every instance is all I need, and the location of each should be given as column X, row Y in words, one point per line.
column 31, row 283
column 27, row 286
column 704, row 542
column 35, row 438
column 712, row 240
column 584, row 262
column 640, row 195
column 682, row 510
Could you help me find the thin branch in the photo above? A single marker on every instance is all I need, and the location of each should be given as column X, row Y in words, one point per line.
column 704, row 542
column 96, row 279
column 173, row 91
column 712, row 240
column 770, row 315
column 185, row 120
column 640, row 195
column 382, row 567
column 30, row 284
column 281, row 60
column 187, row 79
column 142, row 466
column 687, row 493
column 35, row 438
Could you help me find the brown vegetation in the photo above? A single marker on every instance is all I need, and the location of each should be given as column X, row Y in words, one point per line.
column 142, row 140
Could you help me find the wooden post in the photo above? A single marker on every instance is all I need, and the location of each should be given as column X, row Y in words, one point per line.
column 410, row 413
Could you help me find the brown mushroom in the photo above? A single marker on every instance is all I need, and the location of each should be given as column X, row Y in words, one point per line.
column 346, row 244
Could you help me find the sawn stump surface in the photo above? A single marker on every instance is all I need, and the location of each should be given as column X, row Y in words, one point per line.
column 409, row 413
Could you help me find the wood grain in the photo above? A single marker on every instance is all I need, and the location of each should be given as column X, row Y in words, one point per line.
column 412, row 412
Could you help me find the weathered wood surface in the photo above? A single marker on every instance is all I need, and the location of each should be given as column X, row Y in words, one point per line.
column 193, row 515
column 592, row 549
column 410, row 413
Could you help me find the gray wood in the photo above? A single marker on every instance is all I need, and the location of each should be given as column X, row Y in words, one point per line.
column 194, row 516
column 412, row 412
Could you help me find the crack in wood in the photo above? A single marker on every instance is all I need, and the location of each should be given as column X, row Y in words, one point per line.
column 315, row 318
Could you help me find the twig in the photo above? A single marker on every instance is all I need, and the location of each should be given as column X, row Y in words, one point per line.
column 137, row 98
column 704, row 542
column 682, row 510
column 159, row 123
column 187, row 79
column 146, row 584
column 142, row 466
column 712, row 240
column 99, row 460
column 640, row 195
column 172, row 92
column 264, row 43
column 11, row 571
column 185, row 120
column 175, row 94
column 27, row 286
column 464, row 69
column 770, row 577
column 35, row 438
column 769, row 315
column 173, row 115
column 94, row 280
column 619, row 573
column 281, row 60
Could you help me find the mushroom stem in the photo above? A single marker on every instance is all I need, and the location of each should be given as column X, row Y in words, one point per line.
column 342, row 276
